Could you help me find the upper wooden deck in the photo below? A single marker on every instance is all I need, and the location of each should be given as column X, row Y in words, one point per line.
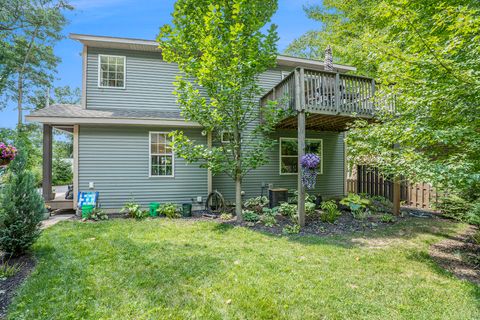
column 331, row 99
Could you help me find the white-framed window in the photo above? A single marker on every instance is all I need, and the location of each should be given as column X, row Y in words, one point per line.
column 111, row 71
column 289, row 154
column 161, row 163
column 226, row 136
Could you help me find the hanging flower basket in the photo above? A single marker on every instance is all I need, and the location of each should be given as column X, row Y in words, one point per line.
column 309, row 163
column 7, row 153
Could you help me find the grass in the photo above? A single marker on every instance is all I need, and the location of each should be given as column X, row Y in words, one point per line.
column 178, row 269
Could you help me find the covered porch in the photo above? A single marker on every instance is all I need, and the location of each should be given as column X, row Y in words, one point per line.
column 326, row 101
column 57, row 200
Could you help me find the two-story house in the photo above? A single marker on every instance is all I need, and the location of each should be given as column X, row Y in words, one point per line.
column 120, row 129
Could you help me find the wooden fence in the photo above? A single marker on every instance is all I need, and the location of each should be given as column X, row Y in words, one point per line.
column 370, row 181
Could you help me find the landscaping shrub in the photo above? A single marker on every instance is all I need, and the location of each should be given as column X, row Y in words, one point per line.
column 226, row 216
column 268, row 217
column 256, row 202
column 454, row 206
column 473, row 215
column 21, row 208
column 268, row 221
column 62, row 173
column 380, row 204
column 7, row 270
column 308, row 198
column 293, row 229
column 251, row 216
column 169, row 210
column 309, row 208
column 388, row 218
column 134, row 210
column 357, row 205
column 330, row 211
column 96, row 215
column 289, row 210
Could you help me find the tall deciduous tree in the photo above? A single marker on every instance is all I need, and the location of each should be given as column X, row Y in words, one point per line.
column 429, row 52
column 28, row 33
column 221, row 49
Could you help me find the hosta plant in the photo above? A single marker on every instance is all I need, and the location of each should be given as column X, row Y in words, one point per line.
column 330, row 211
column 169, row 210
column 251, row 216
column 134, row 210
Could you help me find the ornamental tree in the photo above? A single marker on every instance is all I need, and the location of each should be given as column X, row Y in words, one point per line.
column 428, row 52
column 221, row 48
column 21, row 206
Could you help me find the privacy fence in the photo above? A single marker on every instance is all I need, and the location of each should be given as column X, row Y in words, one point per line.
column 370, row 181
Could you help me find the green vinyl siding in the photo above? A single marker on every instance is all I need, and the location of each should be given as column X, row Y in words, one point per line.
column 148, row 84
column 116, row 159
column 148, row 81
column 330, row 183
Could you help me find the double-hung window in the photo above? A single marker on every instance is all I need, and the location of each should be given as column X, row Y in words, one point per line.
column 289, row 154
column 111, row 71
column 161, row 155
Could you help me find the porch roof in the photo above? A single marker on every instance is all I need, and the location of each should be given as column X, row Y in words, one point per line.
column 76, row 114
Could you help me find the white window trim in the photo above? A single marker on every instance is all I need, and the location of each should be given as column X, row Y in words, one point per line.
column 150, row 156
column 100, row 67
column 280, row 155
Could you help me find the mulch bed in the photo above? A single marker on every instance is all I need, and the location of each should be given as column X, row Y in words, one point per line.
column 8, row 286
column 459, row 255
column 345, row 224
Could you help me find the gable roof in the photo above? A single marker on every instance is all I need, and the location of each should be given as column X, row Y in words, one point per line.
column 152, row 46
column 76, row 114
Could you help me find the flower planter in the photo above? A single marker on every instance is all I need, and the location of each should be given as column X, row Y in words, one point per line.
column 4, row 162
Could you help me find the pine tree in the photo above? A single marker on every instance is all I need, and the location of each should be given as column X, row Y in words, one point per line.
column 21, row 207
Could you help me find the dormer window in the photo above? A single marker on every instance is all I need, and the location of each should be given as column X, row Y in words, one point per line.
column 111, row 71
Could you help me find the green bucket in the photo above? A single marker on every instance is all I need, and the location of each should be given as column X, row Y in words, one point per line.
column 187, row 209
column 87, row 211
column 153, row 209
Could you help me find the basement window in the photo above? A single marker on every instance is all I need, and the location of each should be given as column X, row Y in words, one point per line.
column 161, row 155
column 289, row 154
column 111, row 71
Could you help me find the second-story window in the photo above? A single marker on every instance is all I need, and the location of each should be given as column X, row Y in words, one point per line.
column 111, row 72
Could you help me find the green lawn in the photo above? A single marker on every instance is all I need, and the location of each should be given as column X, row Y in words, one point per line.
column 161, row 269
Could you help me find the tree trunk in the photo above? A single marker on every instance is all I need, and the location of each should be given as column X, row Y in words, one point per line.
column 19, row 100
column 238, row 198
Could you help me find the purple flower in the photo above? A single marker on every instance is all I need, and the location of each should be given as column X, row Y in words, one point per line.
column 7, row 152
column 310, row 161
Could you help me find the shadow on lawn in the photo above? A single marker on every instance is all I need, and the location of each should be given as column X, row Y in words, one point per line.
column 406, row 229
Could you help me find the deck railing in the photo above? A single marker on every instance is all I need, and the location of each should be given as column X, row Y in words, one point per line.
column 327, row 92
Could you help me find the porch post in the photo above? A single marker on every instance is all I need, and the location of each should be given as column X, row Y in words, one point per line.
column 47, row 163
column 300, row 104
column 76, row 129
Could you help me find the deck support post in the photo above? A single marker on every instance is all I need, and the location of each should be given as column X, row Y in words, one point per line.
column 209, row 172
column 301, row 152
column 47, row 163
column 300, row 106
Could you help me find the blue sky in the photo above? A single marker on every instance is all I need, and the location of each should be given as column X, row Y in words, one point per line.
column 141, row 19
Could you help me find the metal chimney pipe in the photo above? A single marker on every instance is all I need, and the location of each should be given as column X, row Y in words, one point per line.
column 328, row 59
